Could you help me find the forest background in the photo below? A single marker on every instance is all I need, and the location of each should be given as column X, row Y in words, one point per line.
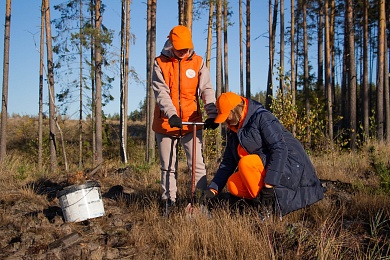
column 339, row 98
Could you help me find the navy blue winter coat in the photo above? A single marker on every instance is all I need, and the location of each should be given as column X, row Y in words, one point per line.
column 288, row 167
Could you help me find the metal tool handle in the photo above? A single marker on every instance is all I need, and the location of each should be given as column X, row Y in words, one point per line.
column 192, row 123
column 193, row 158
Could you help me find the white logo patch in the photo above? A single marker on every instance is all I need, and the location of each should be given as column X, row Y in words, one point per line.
column 190, row 73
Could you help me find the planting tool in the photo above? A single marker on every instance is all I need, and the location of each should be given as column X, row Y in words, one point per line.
column 194, row 124
column 189, row 209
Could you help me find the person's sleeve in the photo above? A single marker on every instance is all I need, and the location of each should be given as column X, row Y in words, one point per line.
column 207, row 92
column 162, row 92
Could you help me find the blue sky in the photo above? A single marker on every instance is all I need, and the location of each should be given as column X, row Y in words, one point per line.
column 24, row 55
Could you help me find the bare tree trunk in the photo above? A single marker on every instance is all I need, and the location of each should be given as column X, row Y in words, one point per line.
column 98, row 74
column 50, row 72
column 306, row 71
column 188, row 13
column 328, row 86
column 125, row 37
column 219, row 63
column 180, row 9
column 93, row 87
column 281, row 81
column 248, row 49
column 225, row 45
column 381, row 107
column 209, row 33
column 365, row 87
column 352, row 73
column 81, row 87
column 272, row 37
column 219, row 47
column 386, row 91
column 320, row 81
column 41, row 62
column 332, row 23
column 4, row 100
column 380, row 74
column 292, row 32
column 344, row 83
column 151, row 53
column 269, row 95
column 241, row 50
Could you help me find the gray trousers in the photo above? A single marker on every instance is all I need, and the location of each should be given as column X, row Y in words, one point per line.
column 167, row 146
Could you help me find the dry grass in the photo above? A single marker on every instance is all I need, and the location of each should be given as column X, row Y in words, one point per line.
column 351, row 222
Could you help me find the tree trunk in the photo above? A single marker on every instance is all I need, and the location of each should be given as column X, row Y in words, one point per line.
column 292, row 32
column 50, row 75
column 4, row 103
column 248, row 49
column 320, row 66
column 188, row 13
column 209, row 33
column 281, row 81
column 219, row 63
column 225, row 45
column 41, row 64
column 93, row 87
column 352, row 73
column 332, row 23
column 81, row 88
column 241, row 50
column 365, row 86
column 125, row 37
column 272, row 36
column 386, row 91
column 151, row 102
column 180, row 9
column 98, row 75
column 344, row 83
column 380, row 74
column 328, row 85
column 306, row 71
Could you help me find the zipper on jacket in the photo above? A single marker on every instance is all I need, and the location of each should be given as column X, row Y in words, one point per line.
column 178, row 92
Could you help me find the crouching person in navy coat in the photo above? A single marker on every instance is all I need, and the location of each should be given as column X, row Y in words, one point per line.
column 263, row 161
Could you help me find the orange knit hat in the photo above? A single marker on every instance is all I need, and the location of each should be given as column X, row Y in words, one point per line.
column 225, row 103
column 180, row 36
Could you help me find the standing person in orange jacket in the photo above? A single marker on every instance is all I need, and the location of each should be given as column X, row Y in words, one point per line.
column 263, row 161
column 180, row 78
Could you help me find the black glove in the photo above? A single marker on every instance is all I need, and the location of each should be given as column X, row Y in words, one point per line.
column 175, row 121
column 209, row 194
column 209, row 124
column 266, row 197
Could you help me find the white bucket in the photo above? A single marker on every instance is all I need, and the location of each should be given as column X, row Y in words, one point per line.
column 81, row 202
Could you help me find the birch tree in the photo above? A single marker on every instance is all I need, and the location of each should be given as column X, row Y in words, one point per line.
column 124, row 75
